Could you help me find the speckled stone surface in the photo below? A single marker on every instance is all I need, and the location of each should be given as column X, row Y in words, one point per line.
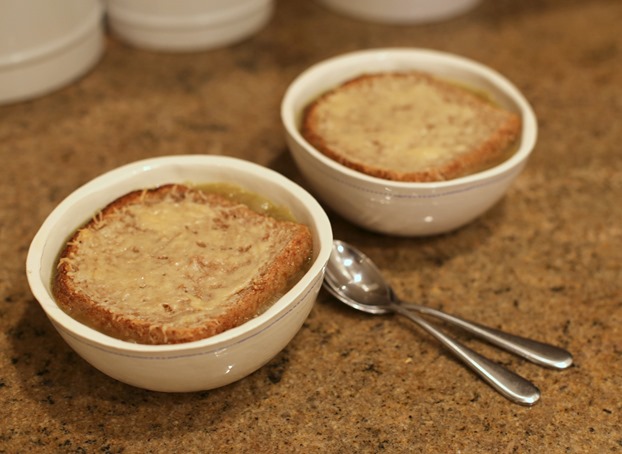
column 546, row 262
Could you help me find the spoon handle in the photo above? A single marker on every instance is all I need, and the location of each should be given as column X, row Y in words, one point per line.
column 536, row 352
column 507, row 383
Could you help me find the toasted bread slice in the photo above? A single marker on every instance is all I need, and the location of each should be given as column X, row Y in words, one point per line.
column 175, row 264
column 409, row 127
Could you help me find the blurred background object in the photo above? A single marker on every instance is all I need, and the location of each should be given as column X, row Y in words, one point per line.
column 401, row 11
column 186, row 25
column 45, row 45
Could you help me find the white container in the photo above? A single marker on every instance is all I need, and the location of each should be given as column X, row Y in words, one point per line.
column 45, row 45
column 187, row 25
column 192, row 366
column 401, row 11
column 396, row 207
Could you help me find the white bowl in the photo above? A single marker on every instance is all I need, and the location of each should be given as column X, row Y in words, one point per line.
column 192, row 366
column 404, row 208
column 401, row 11
column 46, row 45
column 187, row 25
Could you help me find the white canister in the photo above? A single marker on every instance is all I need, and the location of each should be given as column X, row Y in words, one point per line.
column 401, row 11
column 186, row 25
column 45, row 45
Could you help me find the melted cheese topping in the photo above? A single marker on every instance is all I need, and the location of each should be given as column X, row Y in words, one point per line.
column 403, row 122
column 171, row 261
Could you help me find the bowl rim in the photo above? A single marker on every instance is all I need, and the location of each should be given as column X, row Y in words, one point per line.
column 331, row 65
column 96, row 339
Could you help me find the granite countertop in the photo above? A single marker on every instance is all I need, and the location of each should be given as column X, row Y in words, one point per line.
column 545, row 262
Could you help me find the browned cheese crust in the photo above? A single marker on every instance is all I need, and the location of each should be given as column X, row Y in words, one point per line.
column 151, row 293
column 409, row 126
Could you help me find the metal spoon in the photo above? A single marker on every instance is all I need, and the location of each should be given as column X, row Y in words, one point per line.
column 510, row 385
column 345, row 281
column 356, row 276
